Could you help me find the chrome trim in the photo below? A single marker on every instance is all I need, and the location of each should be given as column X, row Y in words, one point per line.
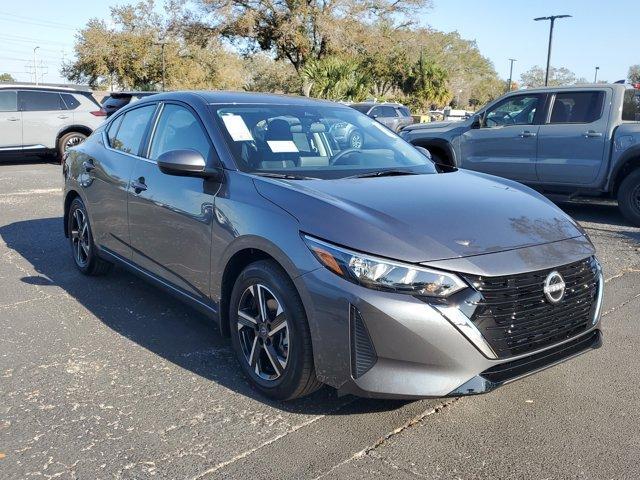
column 33, row 147
column 467, row 328
column 158, row 279
column 598, row 312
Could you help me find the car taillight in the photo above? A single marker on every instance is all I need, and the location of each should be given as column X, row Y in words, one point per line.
column 99, row 113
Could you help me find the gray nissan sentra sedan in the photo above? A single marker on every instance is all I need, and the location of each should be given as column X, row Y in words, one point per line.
column 369, row 269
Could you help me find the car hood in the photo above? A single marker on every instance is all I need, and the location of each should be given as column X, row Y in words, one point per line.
column 430, row 126
column 422, row 218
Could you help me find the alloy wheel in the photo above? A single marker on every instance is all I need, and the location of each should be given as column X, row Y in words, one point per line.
column 80, row 240
column 263, row 331
column 356, row 140
column 73, row 141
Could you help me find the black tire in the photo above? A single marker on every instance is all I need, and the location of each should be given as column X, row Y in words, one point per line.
column 629, row 197
column 83, row 249
column 297, row 377
column 69, row 140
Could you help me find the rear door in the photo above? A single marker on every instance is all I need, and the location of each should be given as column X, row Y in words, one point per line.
column 571, row 144
column 110, row 174
column 505, row 143
column 44, row 115
column 10, row 121
column 170, row 217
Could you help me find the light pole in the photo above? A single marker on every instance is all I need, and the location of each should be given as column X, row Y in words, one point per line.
column 162, row 43
column 511, row 60
column 552, row 19
column 35, row 64
column 595, row 77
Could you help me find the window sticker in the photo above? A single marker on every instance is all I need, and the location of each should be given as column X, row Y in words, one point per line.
column 237, row 128
column 282, row 146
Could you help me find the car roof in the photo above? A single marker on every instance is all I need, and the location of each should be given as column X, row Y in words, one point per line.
column 130, row 94
column 584, row 86
column 229, row 97
column 48, row 88
column 372, row 104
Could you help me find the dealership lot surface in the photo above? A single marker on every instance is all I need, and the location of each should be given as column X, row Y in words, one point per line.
column 110, row 378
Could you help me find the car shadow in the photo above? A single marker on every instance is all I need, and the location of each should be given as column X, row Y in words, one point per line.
column 21, row 159
column 156, row 321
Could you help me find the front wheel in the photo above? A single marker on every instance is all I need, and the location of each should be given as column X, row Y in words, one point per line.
column 629, row 197
column 81, row 239
column 270, row 333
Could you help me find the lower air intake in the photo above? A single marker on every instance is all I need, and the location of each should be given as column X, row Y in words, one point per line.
column 363, row 355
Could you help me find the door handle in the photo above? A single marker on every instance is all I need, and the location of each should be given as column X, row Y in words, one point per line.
column 138, row 185
column 88, row 166
column 527, row 134
column 63, row 116
column 592, row 134
column 13, row 119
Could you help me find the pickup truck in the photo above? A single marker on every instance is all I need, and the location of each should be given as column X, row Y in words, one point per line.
column 562, row 141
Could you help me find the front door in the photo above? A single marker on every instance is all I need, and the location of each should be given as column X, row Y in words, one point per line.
column 505, row 142
column 571, row 145
column 10, row 121
column 170, row 217
column 386, row 115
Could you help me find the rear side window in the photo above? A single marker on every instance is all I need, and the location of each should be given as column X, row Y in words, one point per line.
column 132, row 128
column 577, row 107
column 113, row 129
column 631, row 106
column 404, row 111
column 8, row 101
column 385, row 112
column 70, row 101
column 40, row 101
column 178, row 129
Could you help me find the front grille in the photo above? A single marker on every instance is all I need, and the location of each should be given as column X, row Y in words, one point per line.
column 515, row 317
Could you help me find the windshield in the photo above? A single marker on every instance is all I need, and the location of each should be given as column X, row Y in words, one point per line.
column 315, row 141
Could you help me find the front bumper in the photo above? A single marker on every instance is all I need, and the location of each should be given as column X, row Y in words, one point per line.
column 419, row 350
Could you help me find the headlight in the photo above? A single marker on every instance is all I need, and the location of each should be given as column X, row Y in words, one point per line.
column 381, row 274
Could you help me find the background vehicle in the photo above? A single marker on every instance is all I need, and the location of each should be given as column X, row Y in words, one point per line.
column 45, row 119
column 223, row 198
column 564, row 141
column 392, row 115
column 116, row 100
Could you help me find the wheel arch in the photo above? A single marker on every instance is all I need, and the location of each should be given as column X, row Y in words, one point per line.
column 624, row 168
column 242, row 253
column 440, row 147
column 70, row 197
column 73, row 128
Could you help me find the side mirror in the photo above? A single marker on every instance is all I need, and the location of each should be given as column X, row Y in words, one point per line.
column 186, row 162
column 476, row 122
column 424, row 151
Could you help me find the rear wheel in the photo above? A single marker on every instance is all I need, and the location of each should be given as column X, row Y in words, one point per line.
column 355, row 139
column 629, row 197
column 69, row 140
column 270, row 333
column 81, row 239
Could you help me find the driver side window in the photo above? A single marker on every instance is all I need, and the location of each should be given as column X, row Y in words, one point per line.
column 517, row 110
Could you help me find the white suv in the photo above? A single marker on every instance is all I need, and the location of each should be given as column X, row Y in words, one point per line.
column 42, row 119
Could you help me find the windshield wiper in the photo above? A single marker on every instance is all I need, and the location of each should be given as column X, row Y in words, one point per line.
column 286, row 176
column 384, row 173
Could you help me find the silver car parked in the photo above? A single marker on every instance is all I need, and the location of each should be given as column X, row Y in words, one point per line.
column 43, row 119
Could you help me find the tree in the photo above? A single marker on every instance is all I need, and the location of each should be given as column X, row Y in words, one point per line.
column 426, row 83
column 299, row 31
column 336, row 78
column 267, row 75
column 129, row 55
column 634, row 74
column 6, row 77
column 534, row 77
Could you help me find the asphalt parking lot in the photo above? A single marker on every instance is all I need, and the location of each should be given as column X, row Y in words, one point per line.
column 110, row 378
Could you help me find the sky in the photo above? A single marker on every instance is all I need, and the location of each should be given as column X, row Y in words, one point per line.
column 599, row 34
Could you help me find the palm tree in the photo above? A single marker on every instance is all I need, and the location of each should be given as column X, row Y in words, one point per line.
column 427, row 82
column 336, row 78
